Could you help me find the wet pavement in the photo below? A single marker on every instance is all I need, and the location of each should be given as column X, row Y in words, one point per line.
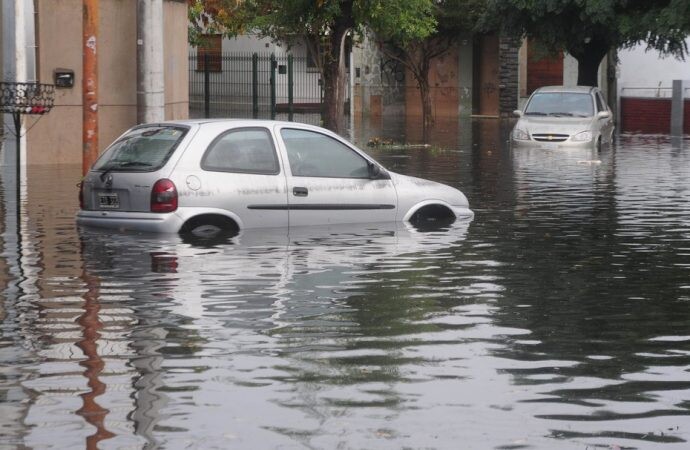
column 558, row 318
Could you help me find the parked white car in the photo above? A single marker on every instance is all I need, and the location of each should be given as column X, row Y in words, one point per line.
column 208, row 176
column 564, row 117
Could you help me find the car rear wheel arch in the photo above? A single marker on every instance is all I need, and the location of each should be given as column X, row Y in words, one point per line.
column 210, row 225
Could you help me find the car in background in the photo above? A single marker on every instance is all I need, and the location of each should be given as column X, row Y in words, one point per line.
column 221, row 176
column 564, row 117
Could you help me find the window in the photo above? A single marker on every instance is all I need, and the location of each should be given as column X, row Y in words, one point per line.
column 142, row 149
column 313, row 154
column 211, row 45
column 247, row 150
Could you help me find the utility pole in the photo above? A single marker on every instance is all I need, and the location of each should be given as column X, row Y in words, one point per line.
column 150, row 76
column 90, row 84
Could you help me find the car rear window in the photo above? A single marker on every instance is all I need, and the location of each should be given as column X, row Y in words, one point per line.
column 561, row 104
column 142, row 149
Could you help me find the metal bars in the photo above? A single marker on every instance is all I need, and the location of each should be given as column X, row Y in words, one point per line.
column 254, row 85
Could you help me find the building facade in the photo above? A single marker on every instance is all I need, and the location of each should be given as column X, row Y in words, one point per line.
column 478, row 76
column 55, row 28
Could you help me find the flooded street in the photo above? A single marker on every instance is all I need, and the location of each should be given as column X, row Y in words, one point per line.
column 558, row 318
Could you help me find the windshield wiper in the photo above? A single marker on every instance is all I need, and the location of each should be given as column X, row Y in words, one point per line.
column 535, row 113
column 557, row 114
column 148, row 133
column 120, row 164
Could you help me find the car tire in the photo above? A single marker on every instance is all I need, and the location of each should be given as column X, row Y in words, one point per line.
column 209, row 227
column 206, row 231
column 598, row 145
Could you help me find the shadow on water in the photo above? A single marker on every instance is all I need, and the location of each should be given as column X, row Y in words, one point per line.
column 556, row 318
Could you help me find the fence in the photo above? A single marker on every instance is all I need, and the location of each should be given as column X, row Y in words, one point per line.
column 253, row 85
column 649, row 109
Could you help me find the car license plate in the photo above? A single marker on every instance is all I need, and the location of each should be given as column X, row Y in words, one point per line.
column 108, row 201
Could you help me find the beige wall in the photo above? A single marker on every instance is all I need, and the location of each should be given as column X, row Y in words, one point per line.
column 57, row 136
column 176, row 61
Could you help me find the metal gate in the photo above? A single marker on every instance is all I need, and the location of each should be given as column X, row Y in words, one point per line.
column 253, row 85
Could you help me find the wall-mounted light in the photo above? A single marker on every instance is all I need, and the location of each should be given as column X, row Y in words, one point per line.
column 64, row 78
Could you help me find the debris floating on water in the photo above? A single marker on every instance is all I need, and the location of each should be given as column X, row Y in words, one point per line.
column 391, row 144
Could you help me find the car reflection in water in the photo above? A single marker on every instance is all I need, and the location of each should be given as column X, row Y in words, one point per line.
column 188, row 296
column 273, row 258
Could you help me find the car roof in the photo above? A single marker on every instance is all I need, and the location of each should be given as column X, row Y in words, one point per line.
column 244, row 122
column 576, row 89
column 231, row 123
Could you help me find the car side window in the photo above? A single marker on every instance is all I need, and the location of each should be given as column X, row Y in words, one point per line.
column 313, row 154
column 600, row 105
column 244, row 150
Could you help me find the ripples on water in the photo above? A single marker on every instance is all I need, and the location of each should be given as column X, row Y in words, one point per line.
column 558, row 318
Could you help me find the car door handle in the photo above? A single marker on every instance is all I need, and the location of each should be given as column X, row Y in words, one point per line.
column 300, row 191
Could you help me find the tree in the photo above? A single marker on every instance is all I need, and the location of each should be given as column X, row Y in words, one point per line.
column 415, row 41
column 589, row 29
column 322, row 25
column 226, row 17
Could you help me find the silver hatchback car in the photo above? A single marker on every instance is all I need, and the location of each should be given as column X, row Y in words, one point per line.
column 210, row 176
column 564, row 117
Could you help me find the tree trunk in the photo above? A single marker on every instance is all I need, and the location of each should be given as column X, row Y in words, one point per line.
column 334, row 81
column 588, row 60
column 427, row 114
column 332, row 115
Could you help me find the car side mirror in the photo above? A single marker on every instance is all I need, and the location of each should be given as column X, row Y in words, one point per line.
column 603, row 115
column 517, row 113
column 375, row 172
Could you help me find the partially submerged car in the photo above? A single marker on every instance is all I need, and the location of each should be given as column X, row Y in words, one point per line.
column 564, row 117
column 212, row 176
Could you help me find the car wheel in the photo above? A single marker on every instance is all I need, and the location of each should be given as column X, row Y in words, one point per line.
column 206, row 231
column 432, row 217
column 210, row 227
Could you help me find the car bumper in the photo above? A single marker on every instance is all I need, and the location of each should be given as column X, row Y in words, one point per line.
column 565, row 145
column 131, row 221
column 462, row 213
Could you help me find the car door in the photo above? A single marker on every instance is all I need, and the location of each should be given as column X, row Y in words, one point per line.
column 331, row 182
column 236, row 172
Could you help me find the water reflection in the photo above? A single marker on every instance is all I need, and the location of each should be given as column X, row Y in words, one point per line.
column 557, row 318
column 292, row 302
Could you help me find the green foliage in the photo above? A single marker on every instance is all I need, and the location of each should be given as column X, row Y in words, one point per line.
column 403, row 21
column 572, row 24
column 225, row 17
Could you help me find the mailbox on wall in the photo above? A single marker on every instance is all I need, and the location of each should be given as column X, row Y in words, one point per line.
column 64, row 78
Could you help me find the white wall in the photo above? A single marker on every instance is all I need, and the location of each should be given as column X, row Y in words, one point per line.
column 655, row 73
column 251, row 43
column 570, row 72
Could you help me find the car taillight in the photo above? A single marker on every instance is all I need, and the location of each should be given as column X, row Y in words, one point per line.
column 163, row 196
column 80, row 185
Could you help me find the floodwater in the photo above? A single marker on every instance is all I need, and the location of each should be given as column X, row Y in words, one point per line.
column 558, row 318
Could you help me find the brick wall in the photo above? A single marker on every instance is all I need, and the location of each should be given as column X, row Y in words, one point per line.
column 508, row 75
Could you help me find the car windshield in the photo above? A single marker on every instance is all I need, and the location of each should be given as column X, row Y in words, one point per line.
column 568, row 104
column 142, row 149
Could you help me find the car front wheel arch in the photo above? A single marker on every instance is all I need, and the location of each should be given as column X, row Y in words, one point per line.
column 433, row 213
column 210, row 225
